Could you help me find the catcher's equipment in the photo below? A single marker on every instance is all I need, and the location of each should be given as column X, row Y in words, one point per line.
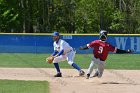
column 103, row 35
column 50, row 59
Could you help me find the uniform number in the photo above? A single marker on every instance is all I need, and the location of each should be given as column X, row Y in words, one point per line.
column 100, row 50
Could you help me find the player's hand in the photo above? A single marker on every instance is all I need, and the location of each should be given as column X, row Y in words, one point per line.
column 49, row 59
column 81, row 48
column 130, row 51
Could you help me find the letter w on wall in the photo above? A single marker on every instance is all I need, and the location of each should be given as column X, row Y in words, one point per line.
column 121, row 42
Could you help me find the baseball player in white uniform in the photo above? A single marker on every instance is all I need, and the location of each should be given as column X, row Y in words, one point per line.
column 63, row 51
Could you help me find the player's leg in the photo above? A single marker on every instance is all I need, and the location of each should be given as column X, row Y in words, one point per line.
column 90, row 69
column 70, row 58
column 56, row 65
column 100, row 69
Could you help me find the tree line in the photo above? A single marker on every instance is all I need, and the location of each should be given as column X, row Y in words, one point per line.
column 69, row 16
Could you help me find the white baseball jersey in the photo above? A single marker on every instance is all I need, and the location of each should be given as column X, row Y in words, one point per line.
column 62, row 45
column 68, row 54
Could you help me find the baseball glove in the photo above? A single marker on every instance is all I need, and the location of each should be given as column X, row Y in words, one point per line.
column 130, row 51
column 49, row 59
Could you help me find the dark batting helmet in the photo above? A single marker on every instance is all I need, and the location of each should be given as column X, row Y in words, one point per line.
column 103, row 35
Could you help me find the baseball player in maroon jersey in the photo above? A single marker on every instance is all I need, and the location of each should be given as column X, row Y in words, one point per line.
column 100, row 52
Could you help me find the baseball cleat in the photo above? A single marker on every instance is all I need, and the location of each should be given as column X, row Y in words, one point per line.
column 88, row 75
column 58, row 75
column 81, row 73
column 96, row 74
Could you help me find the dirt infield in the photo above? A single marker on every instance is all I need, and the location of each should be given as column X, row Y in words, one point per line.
column 113, row 81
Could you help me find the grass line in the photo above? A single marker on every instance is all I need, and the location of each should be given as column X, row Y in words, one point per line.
column 114, row 61
column 20, row 86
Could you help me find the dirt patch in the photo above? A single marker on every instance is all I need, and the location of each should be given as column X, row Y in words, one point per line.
column 113, row 81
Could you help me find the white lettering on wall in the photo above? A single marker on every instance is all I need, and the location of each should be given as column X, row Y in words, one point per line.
column 135, row 43
column 67, row 37
column 138, row 44
column 121, row 42
column 132, row 40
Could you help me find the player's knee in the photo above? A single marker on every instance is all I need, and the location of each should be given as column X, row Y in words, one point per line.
column 70, row 62
column 55, row 61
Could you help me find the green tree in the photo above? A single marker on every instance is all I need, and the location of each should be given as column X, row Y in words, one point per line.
column 70, row 16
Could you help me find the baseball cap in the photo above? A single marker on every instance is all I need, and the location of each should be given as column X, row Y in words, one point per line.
column 55, row 34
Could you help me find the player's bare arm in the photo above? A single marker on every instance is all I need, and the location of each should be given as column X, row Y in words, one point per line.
column 119, row 51
column 83, row 47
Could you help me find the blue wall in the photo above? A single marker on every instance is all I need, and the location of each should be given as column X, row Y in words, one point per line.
column 14, row 43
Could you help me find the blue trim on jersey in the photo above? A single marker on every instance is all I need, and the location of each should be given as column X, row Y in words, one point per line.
column 54, row 53
column 61, row 52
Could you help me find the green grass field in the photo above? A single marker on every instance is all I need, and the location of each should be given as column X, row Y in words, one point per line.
column 21, row 60
column 19, row 86
column 114, row 61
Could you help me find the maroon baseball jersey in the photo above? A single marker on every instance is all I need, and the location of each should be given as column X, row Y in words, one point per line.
column 101, row 49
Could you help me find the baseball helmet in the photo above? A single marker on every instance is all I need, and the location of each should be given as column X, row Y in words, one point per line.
column 103, row 35
column 55, row 34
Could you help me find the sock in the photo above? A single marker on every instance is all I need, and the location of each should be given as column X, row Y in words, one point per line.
column 91, row 67
column 76, row 67
column 57, row 67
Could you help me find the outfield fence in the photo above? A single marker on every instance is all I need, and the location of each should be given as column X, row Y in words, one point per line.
column 43, row 43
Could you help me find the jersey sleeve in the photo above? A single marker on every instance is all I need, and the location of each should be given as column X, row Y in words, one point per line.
column 91, row 44
column 112, row 48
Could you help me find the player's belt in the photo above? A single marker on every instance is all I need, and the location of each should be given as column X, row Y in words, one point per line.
column 68, row 51
column 99, row 58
